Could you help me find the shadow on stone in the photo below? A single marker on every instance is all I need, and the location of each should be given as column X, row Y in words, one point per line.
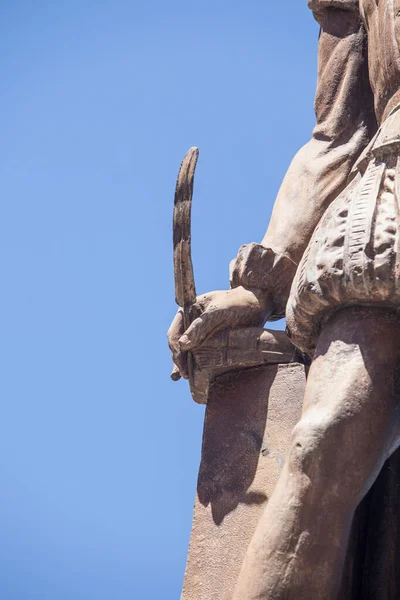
column 233, row 441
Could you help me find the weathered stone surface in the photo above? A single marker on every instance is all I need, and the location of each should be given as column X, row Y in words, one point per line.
column 348, row 429
column 234, row 349
column 249, row 417
column 335, row 223
column 372, row 570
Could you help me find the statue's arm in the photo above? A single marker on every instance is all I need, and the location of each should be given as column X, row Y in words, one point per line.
column 319, row 172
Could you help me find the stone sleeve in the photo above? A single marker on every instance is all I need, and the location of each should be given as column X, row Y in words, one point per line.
column 256, row 267
column 319, row 6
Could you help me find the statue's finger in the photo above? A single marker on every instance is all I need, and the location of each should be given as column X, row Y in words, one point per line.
column 200, row 329
column 175, row 375
column 175, row 331
column 181, row 361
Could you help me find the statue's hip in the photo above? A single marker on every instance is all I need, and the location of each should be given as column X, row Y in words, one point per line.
column 353, row 257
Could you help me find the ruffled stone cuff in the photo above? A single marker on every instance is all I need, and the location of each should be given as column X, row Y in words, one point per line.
column 318, row 6
column 260, row 268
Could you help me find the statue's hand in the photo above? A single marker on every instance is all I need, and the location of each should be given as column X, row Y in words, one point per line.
column 219, row 310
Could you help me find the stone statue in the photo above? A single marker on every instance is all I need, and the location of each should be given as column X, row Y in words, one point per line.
column 330, row 261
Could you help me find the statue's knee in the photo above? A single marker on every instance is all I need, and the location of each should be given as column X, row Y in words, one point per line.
column 314, row 453
column 308, row 444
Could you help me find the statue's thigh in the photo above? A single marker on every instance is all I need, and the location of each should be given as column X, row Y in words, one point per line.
column 351, row 406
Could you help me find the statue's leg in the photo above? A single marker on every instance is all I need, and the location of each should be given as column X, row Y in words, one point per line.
column 348, row 429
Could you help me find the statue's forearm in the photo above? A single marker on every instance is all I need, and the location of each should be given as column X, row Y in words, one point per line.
column 317, row 175
column 320, row 170
column 344, row 111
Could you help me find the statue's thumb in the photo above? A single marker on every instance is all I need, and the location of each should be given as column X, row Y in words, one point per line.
column 199, row 330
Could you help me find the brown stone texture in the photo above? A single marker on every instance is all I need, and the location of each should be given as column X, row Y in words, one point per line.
column 336, row 223
column 372, row 570
column 249, row 418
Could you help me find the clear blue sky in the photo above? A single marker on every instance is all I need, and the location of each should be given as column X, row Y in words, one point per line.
column 100, row 101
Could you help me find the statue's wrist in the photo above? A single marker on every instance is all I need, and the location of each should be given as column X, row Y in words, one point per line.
column 260, row 268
